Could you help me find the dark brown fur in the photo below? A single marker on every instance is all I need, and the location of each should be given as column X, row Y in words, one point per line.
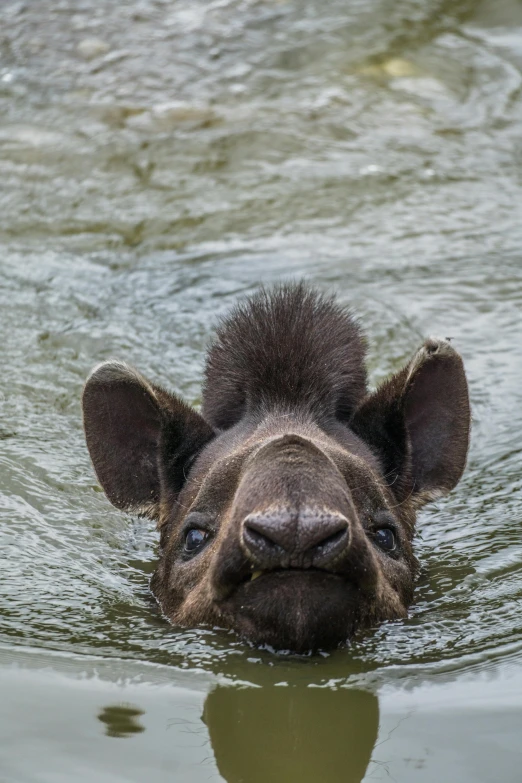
column 292, row 472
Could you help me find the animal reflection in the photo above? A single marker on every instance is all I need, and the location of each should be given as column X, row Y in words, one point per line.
column 292, row 734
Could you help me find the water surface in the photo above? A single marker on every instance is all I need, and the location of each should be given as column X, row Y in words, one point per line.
column 158, row 159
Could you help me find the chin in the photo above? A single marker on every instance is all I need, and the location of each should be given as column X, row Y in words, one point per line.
column 295, row 611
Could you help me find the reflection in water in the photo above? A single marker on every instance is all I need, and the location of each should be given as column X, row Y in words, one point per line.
column 292, row 733
column 121, row 720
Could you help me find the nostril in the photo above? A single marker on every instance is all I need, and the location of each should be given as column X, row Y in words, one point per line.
column 270, row 532
column 254, row 539
column 332, row 540
column 323, row 553
column 323, row 530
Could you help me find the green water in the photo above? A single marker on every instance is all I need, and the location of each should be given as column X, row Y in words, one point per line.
column 158, row 159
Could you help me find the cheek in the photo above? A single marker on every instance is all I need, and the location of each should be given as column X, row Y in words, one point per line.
column 185, row 577
column 400, row 578
column 191, row 592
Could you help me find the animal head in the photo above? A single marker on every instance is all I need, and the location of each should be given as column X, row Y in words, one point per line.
column 286, row 508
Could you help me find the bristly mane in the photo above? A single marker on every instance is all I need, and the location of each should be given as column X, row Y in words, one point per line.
column 291, row 347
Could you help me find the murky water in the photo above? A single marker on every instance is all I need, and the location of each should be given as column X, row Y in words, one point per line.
column 158, row 159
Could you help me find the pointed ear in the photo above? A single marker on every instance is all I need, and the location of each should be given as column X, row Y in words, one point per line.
column 138, row 435
column 418, row 423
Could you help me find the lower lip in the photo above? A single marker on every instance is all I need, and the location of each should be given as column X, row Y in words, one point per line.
column 290, row 572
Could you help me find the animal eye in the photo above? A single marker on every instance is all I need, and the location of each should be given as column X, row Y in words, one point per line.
column 385, row 538
column 194, row 540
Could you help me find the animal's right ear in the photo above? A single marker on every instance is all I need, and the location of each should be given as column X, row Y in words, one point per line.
column 138, row 435
column 418, row 423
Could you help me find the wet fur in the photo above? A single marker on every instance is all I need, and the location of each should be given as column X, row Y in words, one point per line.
column 291, row 347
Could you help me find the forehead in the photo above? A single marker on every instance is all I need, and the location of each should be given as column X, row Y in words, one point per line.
column 216, row 473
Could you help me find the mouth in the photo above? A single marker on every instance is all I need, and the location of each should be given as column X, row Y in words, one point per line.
column 280, row 584
column 297, row 609
column 236, row 578
column 267, row 579
column 257, row 574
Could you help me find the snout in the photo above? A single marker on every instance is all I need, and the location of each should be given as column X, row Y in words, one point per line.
column 285, row 538
column 293, row 524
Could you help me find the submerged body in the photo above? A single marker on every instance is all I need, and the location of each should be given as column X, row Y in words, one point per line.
column 287, row 507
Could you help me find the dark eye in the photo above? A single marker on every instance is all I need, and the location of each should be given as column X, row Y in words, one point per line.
column 194, row 540
column 385, row 538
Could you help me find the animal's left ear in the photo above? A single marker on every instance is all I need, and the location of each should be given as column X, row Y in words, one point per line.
column 418, row 423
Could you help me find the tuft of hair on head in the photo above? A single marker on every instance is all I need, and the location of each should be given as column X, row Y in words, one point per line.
column 290, row 347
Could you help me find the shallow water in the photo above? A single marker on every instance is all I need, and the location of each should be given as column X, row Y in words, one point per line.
column 158, row 159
